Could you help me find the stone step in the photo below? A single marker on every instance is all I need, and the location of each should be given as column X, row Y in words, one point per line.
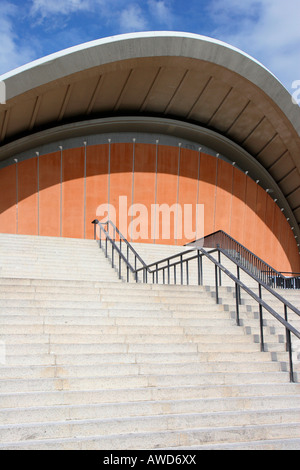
column 153, row 440
column 115, row 327
column 17, row 320
column 105, row 334
column 111, row 337
column 39, row 414
column 56, row 368
column 38, row 355
column 134, row 316
column 180, row 300
column 16, row 281
column 76, row 348
column 51, row 257
column 62, row 263
column 68, row 275
column 148, row 424
column 137, row 395
column 91, row 356
column 134, row 343
column 109, row 382
column 267, row 444
column 156, row 323
column 204, row 343
column 99, row 303
column 140, row 289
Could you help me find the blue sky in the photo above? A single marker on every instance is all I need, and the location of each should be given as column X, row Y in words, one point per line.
column 266, row 29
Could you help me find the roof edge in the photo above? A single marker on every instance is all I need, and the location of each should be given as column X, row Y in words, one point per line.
column 150, row 44
column 123, row 37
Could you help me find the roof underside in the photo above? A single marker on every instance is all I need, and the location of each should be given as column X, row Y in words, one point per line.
column 151, row 80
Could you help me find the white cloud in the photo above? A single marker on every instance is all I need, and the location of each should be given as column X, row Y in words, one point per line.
column 116, row 13
column 234, row 7
column 153, row 13
column 132, row 18
column 266, row 29
column 12, row 52
column 43, row 8
column 161, row 12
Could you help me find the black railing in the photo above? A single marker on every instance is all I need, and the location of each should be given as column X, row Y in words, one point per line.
column 245, row 258
column 176, row 270
column 114, row 243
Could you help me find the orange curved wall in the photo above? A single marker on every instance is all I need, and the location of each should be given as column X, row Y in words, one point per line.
column 58, row 194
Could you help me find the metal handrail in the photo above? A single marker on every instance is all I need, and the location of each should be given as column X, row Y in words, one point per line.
column 264, row 285
column 274, row 293
column 109, row 222
column 244, row 256
column 290, row 274
column 238, row 284
column 169, row 262
column 114, row 246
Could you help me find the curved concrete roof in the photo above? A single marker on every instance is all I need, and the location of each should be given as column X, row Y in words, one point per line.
column 167, row 76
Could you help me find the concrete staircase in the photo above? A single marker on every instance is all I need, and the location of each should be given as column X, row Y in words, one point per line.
column 90, row 362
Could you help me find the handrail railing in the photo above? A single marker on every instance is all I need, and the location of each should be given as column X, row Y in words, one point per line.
column 166, row 264
column 265, row 286
column 239, row 253
column 182, row 260
column 114, row 247
column 238, row 284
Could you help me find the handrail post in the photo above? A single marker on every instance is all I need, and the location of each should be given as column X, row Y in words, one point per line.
column 127, row 257
column 187, row 273
column 95, row 222
column 286, row 319
column 237, row 311
column 120, row 267
column 217, row 288
column 261, row 321
column 181, row 270
column 219, row 261
column 289, row 344
column 199, row 270
column 136, row 273
column 238, row 287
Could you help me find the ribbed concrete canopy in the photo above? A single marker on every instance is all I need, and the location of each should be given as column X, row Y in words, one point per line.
column 167, row 76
